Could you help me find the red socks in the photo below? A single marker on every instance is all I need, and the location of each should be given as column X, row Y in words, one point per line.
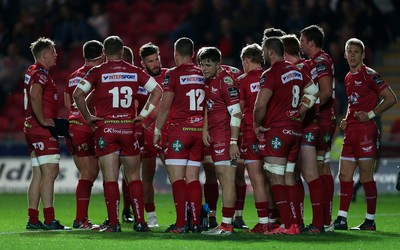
column 294, row 205
column 33, row 216
column 149, row 207
column 346, row 194
column 240, row 197
column 211, row 193
column 137, row 199
column 317, row 202
column 262, row 209
column 125, row 195
column 370, row 196
column 111, row 195
column 281, row 199
column 195, row 197
column 329, row 185
column 82, row 193
column 180, row 199
column 48, row 215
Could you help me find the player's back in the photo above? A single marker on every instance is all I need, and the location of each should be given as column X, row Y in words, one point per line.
column 187, row 83
column 116, row 84
column 286, row 82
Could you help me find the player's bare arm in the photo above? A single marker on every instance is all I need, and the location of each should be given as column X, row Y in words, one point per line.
column 260, row 108
column 205, row 134
column 325, row 85
column 388, row 100
column 37, row 105
column 162, row 116
column 155, row 96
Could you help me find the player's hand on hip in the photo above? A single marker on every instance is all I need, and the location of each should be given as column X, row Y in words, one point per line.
column 343, row 124
column 361, row 116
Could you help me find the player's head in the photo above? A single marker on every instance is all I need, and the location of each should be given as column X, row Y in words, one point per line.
column 43, row 50
column 150, row 55
column 113, row 46
column 354, row 52
column 251, row 54
column 272, row 47
column 128, row 55
column 292, row 44
column 271, row 32
column 209, row 59
column 93, row 50
column 183, row 47
column 310, row 37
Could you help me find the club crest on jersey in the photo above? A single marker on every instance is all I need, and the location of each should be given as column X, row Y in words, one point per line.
column 228, row 80
column 326, row 138
column 276, row 143
column 290, row 76
column 119, row 77
column 210, row 104
column 353, row 98
column 177, row 145
column 102, row 143
column 233, row 92
column 254, row 147
column 309, row 137
column 192, row 79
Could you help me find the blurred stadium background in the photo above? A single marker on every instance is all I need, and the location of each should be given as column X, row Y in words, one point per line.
column 227, row 24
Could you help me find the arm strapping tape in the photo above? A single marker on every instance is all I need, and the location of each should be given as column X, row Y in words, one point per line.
column 84, row 85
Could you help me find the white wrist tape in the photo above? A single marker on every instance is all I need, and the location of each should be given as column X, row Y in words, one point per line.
column 309, row 97
column 146, row 112
column 308, row 100
column 157, row 131
column 371, row 114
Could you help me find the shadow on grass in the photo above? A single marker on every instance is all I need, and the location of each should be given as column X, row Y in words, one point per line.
column 128, row 234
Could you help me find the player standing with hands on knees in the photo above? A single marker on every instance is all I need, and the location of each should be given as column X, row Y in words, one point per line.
column 364, row 87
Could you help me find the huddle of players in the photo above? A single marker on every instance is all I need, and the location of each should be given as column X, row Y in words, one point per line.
column 229, row 99
column 281, row 113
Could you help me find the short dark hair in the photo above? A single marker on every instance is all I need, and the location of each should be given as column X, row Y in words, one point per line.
column 148, row 49
column 253, row 52
column 314, row 33
column 92, row 49
column 209, row 53
column 275, row 44
column 184, row 46
column 113, row 45
column 292, row 44
column 128, row 55
column 271, row 32
column 41, row 44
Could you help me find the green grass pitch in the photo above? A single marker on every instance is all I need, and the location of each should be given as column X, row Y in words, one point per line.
column 13, row 214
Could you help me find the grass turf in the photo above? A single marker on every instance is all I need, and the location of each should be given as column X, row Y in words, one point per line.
column 13, row 234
